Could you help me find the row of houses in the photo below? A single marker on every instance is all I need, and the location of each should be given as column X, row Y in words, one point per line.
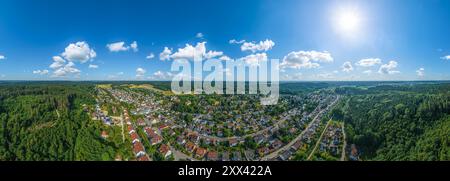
column 138, row 147
column 333, row 137
column 144, row 105
column 153, row 136
column 211, row 155
column 310, row 131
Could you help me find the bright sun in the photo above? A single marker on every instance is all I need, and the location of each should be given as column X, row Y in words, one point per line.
column 348, row 21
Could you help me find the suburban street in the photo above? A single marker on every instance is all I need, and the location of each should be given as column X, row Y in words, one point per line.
column 287, row 146
column 318, row 141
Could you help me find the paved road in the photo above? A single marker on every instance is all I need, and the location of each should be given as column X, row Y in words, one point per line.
column 288, row 146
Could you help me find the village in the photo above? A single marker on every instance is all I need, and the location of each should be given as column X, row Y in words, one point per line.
column 163, row 127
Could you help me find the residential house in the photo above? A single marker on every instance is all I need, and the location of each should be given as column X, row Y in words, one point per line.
column 138, row 149
column 233, row 142
column 104, row 134
column 212, row 156
column 143, row 158
column 200, row 152
column 165, row 150
column 181, row 140
column 190, row 147
column 134, row 137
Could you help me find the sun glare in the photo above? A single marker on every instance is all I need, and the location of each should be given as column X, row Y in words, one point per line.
column 348, row 21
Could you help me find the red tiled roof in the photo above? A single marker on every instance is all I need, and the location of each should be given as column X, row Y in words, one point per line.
column 134, row 136
column 164, row 149
column 138, row 147
column 150, row 132
column 190, row 146
column 130, row 128
column 156, row 139
column 232, row 141
column 143, row 158
column 212, row 155
column 200, row 152
column 163, row 126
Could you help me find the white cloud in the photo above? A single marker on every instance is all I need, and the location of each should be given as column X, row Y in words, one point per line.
column 67, row 69
column 120, row 46
column 389, row 68
column 165, row 54
column 368, row 62
column 117, row 47
column 64, row 65
column 420, row 72
column 199, row 35
column 261, row 46
column 212, row 54
column 2, row 57
column 134, row 46
column 190, row 52
column 446, row 57
column 225, row 58
column 140, row 73
column 305, row 59
column 160, row 75
column 347, row 67
column 233, row 41
column 79, row 51
column 92, row 66
column 150, row 56
column 40, row 72
column 57, row 62
column 254, row 59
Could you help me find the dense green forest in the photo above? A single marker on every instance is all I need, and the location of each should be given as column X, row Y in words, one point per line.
column 397, row 122
column 48, row 122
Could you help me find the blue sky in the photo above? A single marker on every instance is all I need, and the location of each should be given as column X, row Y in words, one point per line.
column 314, row 40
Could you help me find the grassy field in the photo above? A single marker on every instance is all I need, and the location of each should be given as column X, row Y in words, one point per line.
column 149, row 87
column 104, row 86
